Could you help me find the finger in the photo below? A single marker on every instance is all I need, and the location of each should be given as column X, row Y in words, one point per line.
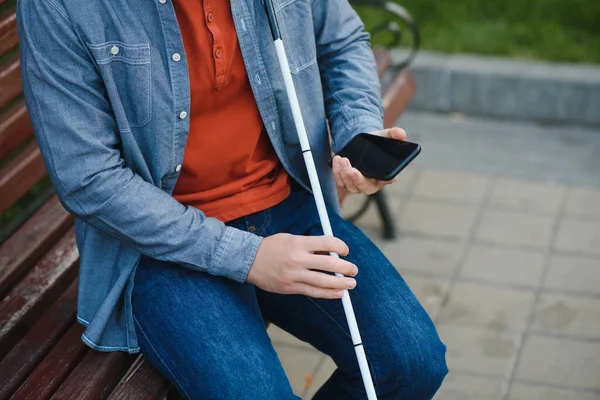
column 397, row 133
column 325, row 244
column 316, row 292
column 337, row 171
column 346, row 176
column 330, row 264
column 326, row 281
column 365, row 185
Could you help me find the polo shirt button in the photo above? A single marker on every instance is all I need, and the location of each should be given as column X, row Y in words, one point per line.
column 178, row 168
column 218, row 52
column 182, row 115
column 176, row 57
column 210, row 16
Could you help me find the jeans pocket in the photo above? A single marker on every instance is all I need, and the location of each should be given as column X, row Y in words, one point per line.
column 127, row 72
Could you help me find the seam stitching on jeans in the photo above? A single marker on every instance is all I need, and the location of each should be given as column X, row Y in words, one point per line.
column 328, row 316
column 160, row 358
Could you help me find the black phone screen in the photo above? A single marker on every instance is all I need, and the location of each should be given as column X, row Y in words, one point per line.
column 379, row 157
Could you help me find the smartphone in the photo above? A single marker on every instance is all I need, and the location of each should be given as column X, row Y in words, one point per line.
column 379, row 157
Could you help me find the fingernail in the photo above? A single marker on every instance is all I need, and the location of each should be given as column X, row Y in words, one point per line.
column 355, row 271
column 351, row 284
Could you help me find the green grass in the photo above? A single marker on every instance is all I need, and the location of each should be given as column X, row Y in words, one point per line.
column 558, row 30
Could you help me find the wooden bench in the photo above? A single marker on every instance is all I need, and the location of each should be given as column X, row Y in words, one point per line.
column 41, row 353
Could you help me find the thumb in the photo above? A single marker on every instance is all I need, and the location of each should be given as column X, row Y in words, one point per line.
column 393, row 133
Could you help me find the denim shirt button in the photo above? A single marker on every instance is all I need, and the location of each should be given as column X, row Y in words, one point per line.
column 257, row 79
column 176, row 57
column 178, row 168
column 162, row 1
column 114, row 50
column 182, row 115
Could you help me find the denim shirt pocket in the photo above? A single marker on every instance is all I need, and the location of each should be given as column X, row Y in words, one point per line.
column 294, row 18
column 127, row 73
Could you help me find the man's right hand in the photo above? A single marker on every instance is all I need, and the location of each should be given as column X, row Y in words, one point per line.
column 291, row 264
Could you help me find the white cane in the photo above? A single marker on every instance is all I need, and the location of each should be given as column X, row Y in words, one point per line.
column 318, row 194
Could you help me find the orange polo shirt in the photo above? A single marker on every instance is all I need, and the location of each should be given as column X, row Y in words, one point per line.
column 230, row 168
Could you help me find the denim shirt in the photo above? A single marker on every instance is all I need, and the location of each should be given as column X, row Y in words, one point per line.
column 107, row 89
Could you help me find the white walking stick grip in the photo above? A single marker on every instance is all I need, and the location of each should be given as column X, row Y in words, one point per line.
column 322, row 209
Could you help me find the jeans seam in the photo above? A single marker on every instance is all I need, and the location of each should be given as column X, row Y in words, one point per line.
column 160, row 358
column 328, row 316
column 371, row 366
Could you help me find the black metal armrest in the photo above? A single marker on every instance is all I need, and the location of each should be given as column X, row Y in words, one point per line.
column 396, row 16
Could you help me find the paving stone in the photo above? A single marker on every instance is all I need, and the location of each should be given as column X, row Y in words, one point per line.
column 467, row 187
column 515, row 229
column 562, row 362
column 321, row 376
column 438, row 257
column 280, row 337
column 428, row 218
column 540, row 152
column 299, row 364
column 568, row 315
column 458, row 386
column 526, row 196
column 583, row 201
column 480, row 351
column 577, row 235
column 523, row 391
column 430, row 291
column 406, row 180
column 503, row 266
column 494, row 308
column 575, row 274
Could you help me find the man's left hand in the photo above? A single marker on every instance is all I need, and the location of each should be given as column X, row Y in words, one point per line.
column 351, row 179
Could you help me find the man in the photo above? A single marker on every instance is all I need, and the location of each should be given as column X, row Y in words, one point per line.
column 166, row 131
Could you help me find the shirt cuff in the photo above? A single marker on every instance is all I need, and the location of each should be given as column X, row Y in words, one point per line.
column 363, row 124
column 235, row 254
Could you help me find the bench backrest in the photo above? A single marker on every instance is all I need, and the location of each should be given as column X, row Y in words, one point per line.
column 21, row 166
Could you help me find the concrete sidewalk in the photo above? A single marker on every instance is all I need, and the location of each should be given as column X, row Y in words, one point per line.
column 507, row 267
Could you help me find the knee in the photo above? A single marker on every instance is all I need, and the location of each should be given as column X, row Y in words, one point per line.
column 416, row 372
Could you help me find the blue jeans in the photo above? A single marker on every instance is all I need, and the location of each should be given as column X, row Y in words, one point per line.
column 206, row 334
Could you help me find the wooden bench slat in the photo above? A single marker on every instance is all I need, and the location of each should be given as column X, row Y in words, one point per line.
column 20, row 174
column 397, row 96
column 95, row 376
column 55, row 367
column 28, row 244
column 10, row 80
column 142, row 382
column 383, row 59
column 45, row 282
column 26, row 355
column 8, row 30
column 15, row 128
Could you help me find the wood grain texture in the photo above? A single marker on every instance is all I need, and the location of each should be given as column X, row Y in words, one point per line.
column 20, row 174
column 56, row 367
column 8, row 30
column 27, row 354
column 383, row 59
column 15, row 128
column 10, row 80
column 397, row 96
column 28, row 300
column 28, row 244
column 142, row 382
column 95, row 377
